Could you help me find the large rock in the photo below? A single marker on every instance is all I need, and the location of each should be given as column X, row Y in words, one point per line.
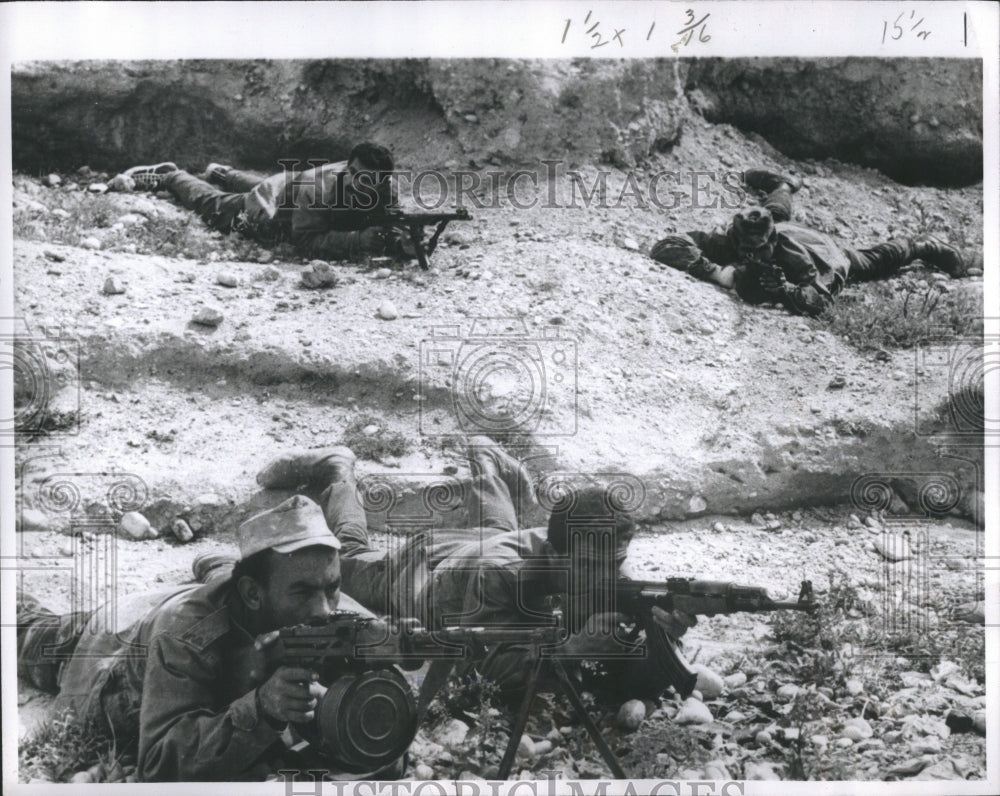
column 918, row 120
column 693, row 712
column 709, row 682
column 528, row 110
column 631, row 714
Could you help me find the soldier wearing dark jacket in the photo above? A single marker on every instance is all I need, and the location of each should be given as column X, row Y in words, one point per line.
column 765, row 257
column 334, row 211
column 180, row 680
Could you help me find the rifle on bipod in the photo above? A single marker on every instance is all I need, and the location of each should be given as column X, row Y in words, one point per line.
column 368, row 717
column 638, row 599
column 414, row 223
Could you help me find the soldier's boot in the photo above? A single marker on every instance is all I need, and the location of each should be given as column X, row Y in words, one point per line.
column 149, row 178
column 939, row 254
column 314, row 468
column 217, row 174
column 768, row 181
column 486, row 458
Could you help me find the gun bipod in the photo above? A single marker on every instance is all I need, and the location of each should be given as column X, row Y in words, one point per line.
column 438, row 673
column 569, row 690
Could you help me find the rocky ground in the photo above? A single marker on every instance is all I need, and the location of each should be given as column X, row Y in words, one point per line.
column 891, row 688
column 656, row 358
column 188, row 412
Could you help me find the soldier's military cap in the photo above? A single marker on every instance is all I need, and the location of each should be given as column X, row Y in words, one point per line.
column 290, row 526
column 753, row 227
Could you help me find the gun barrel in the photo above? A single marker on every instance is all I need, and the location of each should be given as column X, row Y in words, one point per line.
column 424, row 638
column 707, row 597
column 401, row 216
column 794, row 605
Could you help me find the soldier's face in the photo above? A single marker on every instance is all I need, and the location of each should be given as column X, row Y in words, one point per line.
column 303, row 586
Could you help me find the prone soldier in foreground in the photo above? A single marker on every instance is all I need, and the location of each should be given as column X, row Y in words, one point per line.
column 180, row 680
column 493, row 573
column 367, row 716
column 488, row 590
column 765, row 257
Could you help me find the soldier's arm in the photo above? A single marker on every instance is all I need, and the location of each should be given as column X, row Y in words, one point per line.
column 312, row 236
column 704, row 255
column 324, row 232
column 795, row 261
column 184, row 733
column 718, row 258
column 716, row 246
column 724, row 275
column 502, row 600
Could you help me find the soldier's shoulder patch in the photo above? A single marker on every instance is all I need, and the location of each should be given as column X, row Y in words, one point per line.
column 198, row 617
column 208, row 629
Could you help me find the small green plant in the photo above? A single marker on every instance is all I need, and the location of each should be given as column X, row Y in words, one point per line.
column 171, row 237
column 377, row 445
column 813, row 644
column 473, row 699
column 186, row 237
column 964, row 645
column 480, row 695
column 877, row 316
column 60, row 747
column 808, row 761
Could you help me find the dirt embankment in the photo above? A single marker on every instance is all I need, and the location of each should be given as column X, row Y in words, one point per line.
column 917, row 120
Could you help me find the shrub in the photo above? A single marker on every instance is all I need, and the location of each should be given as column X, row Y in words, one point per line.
column 878, row 316
column 60, row 747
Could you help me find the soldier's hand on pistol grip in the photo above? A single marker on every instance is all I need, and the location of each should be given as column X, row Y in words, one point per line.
column 401, row 244
column 290, row 694
column 772, row 281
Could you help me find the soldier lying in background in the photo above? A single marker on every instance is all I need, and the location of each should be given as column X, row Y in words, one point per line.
column 765, row 257
column 337, row 211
